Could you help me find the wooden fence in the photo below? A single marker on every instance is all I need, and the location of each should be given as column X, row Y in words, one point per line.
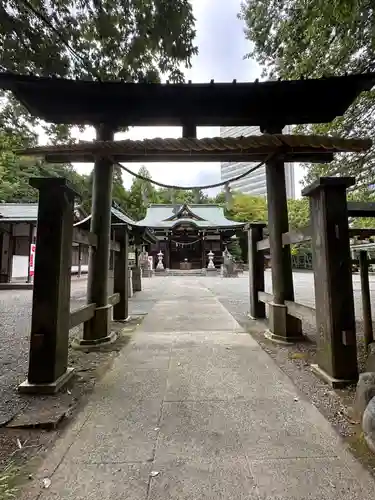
column 333, row 315
column 51, row 316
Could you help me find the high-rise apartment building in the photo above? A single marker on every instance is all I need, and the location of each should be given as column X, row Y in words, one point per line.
column 255, row 182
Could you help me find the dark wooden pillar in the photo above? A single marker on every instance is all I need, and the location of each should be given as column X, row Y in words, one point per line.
column 256, row 270
column 167, row 253
column 335, row 320
column 189, row 131
column 51, row 294
column 170, row 251
column 282, row 326
column 121, row 278
column 203, row 251
column 136, row 273
column 98, row 329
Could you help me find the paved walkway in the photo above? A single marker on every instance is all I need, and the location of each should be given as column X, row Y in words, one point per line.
column 194, row 409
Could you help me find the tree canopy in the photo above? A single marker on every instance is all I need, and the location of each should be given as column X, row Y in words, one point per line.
column 132, row 40
column 315, row 38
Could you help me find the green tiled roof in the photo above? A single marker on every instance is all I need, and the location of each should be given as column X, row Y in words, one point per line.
column 208, row 216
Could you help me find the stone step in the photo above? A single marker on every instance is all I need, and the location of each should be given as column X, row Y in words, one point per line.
column 185, row 272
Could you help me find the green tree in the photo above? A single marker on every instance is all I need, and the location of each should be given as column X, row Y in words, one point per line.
column 247, row 208
column 16, row 171
column 235, row 248
column 219, row 199
column 313, row 38
column 119, row 194
column 141, row 194
column 133, row 40
column 299, row 213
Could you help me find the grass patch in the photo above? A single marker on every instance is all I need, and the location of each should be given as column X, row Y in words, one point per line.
column 8, row 478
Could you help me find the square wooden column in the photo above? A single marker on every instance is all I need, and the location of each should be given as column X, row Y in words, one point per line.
column 256, row 270
column 49, row 341
column 97, row 330
column 121, row 277
column 136, row 273
column 335, row 319
column 282, row 326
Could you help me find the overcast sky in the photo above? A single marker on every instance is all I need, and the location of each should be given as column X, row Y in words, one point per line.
column 222, row 45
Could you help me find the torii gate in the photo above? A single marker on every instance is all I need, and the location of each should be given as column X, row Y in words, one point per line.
column 109, row 106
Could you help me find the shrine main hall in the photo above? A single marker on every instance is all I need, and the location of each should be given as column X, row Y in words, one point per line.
column 187, row 233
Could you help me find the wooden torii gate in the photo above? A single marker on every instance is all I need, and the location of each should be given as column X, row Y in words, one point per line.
column 270, row 105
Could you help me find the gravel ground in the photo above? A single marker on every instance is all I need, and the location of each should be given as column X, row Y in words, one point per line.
column 15, row 312
column 15, row 308
column 294, row 360
column 15, row 319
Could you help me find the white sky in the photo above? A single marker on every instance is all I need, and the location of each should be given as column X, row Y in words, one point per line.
column 222, row 45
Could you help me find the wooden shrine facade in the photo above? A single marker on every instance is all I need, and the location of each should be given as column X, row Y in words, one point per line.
column 187, row 233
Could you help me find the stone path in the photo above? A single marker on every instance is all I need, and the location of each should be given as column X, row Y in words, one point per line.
column 194, row 409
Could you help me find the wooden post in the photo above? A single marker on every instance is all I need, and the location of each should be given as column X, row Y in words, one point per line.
column 335, row 319
column 282, row 326
column 136, row 273
column 366, row 298
column 170, row 251
column 256, row 270
column 121, row 278
column 203, row 251
column 51, row 294
column 189, row 131
column 97, row 330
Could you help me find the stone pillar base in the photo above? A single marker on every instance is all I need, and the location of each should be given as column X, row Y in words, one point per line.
column 47, row 388
column 91, row 345
column 282, row 326
column 335, row 383
column 98, row 327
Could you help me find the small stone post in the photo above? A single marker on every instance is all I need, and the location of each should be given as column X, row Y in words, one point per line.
column 48, row 361
column 130, row 283
column 366, row 298
column 335, row 320
column 256, row 270
column 121, row 280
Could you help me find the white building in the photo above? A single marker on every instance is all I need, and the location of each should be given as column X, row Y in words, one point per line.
column 255, row 182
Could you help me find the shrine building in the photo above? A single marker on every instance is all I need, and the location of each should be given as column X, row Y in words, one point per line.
column 187, row 233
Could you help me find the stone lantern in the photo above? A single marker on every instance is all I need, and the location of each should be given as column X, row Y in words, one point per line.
column 210, row 256
column 160, row 266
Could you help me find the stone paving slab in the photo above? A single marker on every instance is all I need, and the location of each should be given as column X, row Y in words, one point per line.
column 199, row 372
column 99, row 481
column 214, row 479
column 307, row 479
column 192, row 411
